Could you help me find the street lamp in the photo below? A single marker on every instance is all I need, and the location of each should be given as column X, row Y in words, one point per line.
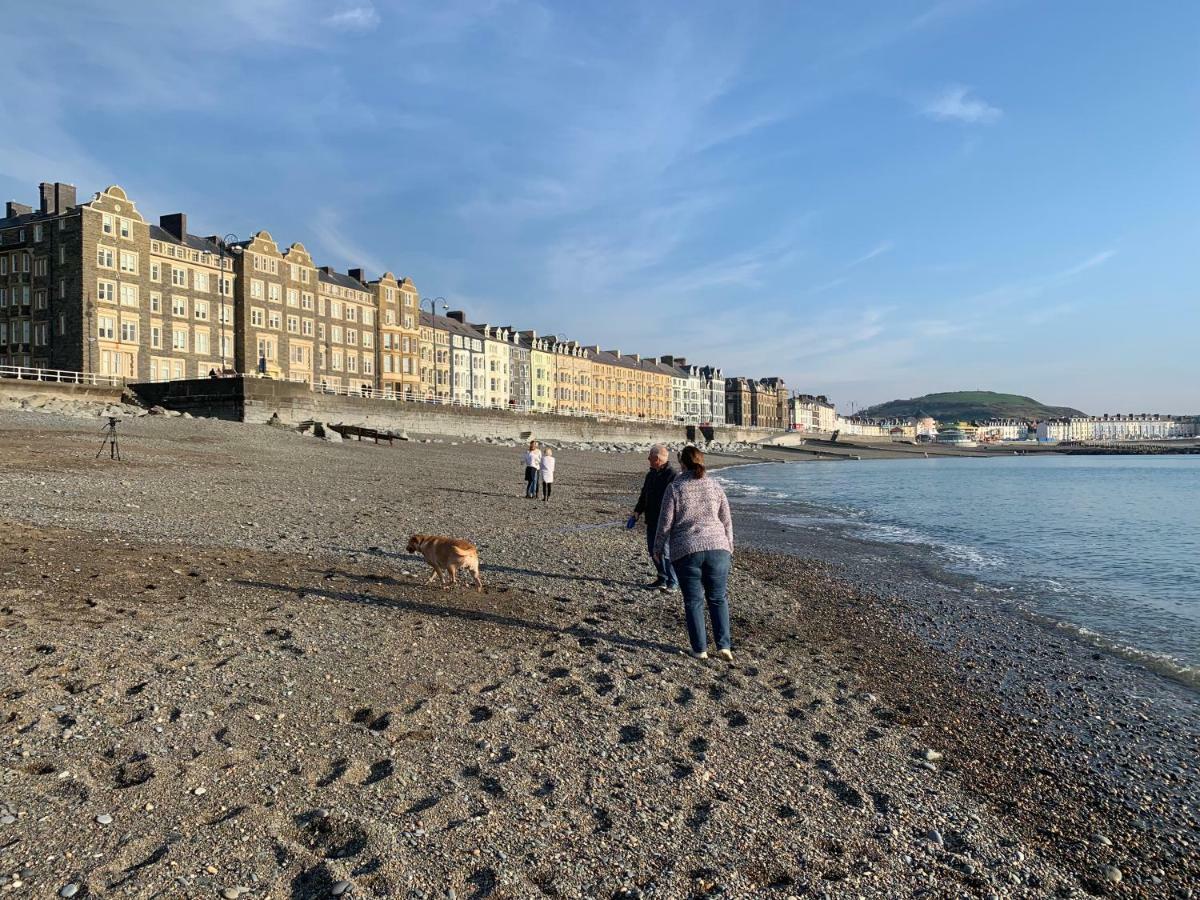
column 558, row 339
column 221, row 282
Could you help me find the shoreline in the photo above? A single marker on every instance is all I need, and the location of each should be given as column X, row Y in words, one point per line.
column 185, row 620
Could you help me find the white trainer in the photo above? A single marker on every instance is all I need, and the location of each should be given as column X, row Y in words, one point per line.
column 703, row 654
column 726, row 654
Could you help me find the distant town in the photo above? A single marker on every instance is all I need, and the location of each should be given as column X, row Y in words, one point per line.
column 95, row 290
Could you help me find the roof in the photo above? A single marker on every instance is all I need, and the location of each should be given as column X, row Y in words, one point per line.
column 157, row 233
column 25, row 219
column 345, row 281
column 445, row 323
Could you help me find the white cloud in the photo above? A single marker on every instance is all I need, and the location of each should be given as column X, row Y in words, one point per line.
column 363, row 17
column 1091, row 262
column 955, row 104
column 877, row 250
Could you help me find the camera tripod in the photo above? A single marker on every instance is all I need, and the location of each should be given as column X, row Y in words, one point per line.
column 110, row 440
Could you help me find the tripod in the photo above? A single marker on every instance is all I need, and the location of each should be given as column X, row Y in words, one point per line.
column 110, row 441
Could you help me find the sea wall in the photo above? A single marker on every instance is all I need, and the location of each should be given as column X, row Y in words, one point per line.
column 19, row 389
column 256, row 400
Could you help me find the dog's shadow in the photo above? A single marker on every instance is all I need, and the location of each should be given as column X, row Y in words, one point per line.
column 485, row 568
column 445, row 610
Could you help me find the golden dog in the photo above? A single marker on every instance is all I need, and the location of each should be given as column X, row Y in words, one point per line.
column 447, row 555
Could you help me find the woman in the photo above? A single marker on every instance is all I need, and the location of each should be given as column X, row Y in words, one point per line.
column 696, row 528
column 547, row 472
column 533, row 462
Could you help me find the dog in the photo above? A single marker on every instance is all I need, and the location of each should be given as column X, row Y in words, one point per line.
column 446, row 556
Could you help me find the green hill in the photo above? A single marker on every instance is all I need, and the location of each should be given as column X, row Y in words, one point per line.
column 955, row 406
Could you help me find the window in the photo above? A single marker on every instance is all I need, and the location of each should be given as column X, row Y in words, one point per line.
column 266, row 348
column 179, row 338
column 389, row 318
column 368, row 317
column 62, row 254
column 106, row 291
column 226, row 314
column 179, row 277
column 104, row 257
column 200, row 310
column 129, row 331
column 129, row 261
column 156, row 337
column 336, row 361
column 352, row 337
column 273, row 320
column 106, row 223
column 201, row 341
column 226, row 285
column 155, row 271
column 351, row 313
column 39, row 300
column 155, row 302
column 62, row 324
column 351, row 362
column 293, row 324
column 387, row 365
column 129, row 295
column 306, row 300
column 258, row 317
column 39, row 333
column 335, row 333
column 306, row 327
column 37, row 232
column 106, row 327
column 274, row 292
column 368, row 366
column 256, row 288
column 179, row 306
column 335, row 309
column 200, row 282
column 304, row 276
column 293, row 296
column 62, row 289
column 368, row 339
column 40, row 266
column 4, row 265
column 125, row 227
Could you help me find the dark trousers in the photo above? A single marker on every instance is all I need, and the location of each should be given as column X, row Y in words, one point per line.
column 703, row 578
column 663, row 567
column 531, row 481
column 547, row 487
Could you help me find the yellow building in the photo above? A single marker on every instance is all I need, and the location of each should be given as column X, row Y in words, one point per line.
column 571, row 373
column 399, row 337
column 541, row 370
column 434, row 337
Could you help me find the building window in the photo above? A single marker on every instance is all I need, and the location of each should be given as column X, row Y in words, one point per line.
column 129, row 295
column 306, row 301
column 179, row 306
column 106, row 291
column 258, row 317
column 273, row 320
column 37, row 232
column 40, row 265
column 201, row 341
column 256, row 288
column 129, row 332
column 200, row 282
column 293, row 296
column 178, row 277
column 200, row 310
column 306, row 327
column 156, row 337
column 106, row 224
column 106, row 327
column 336, row 360
column 155, row 302
column 129, row 261
column 125, row 227
column 179, row 338
column 155, row 271
column 335, row 333
column 104, row 257
column 351, row 362
column 351, row 313
column 274, row 292
column 352, row 337
column 293, row 324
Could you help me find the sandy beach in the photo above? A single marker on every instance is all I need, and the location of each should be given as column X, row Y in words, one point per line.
column 223, row 677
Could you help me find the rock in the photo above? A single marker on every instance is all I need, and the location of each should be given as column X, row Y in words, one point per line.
column 1101, row 840
column 931, row 756
column 7, row 820
column 1112, row 874
column 935, row 837
column 69, row 890
column 232, row 893
column 200, row 791
column 157, row 411
column 104, row 819
column 340, row 887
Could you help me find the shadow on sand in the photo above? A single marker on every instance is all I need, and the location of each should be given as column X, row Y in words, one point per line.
column 454, row 612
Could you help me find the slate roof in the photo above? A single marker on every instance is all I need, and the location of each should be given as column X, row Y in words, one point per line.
column 342, row 280
column 158, row 233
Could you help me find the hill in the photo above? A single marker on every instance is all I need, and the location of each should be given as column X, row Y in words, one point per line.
column 954, row 406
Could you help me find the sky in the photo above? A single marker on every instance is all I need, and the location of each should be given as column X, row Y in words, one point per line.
column 872, row 200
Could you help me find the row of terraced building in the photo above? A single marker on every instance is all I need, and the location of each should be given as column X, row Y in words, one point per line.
column 97, row 288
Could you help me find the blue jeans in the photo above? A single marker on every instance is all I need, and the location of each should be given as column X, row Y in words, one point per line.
column 703, row 578
column 531, row 485
column 663, row 567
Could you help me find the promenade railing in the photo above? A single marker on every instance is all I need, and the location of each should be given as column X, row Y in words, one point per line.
column 61, row 376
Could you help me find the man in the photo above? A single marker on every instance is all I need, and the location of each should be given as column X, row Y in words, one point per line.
column 649, row 504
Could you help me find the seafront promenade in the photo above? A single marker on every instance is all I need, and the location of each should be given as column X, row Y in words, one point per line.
column 224, row 677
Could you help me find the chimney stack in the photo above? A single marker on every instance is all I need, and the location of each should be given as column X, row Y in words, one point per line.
column 457, row 315
column 175, row 224
column 47, row 192
column 357, row 275
column 13, row 208
column 64, row 197
column 681, row 362
column 667, row 360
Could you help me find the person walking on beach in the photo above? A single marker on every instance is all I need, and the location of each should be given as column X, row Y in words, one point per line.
column 696, row 529
column 656, row 482
column 533, row 464
column 547, row 473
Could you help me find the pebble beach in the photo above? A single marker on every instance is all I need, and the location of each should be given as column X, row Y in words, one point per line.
column 223, row 677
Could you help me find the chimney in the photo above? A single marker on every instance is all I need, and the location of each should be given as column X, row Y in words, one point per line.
column 457, row 315
column 175, row 224
column 64, row 197
column 47, row 191
column 13, row 208
column 357, row 275
column 667, row 360
column 616, row 353
column 635, row 357
column 681, row 362
column 530, row 335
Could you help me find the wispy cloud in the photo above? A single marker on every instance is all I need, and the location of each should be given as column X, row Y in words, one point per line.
column 955, row 104
column 330, row 231
column 878, row 250
column 363, row 17
column 1091, row 262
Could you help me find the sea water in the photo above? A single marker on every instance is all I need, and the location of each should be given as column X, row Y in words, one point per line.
column 1105, row 546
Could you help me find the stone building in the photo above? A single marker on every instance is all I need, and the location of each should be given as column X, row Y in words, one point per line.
column 399, row 355
column 468, row 362
column 738, row 403
column 520, row 367
column 434, row 357
column 542, row 366
column 94, row 287
column 573, row 378
column 712, row 396
column 777, row 417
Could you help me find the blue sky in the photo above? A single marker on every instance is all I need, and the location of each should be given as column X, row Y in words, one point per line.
column 872, row 200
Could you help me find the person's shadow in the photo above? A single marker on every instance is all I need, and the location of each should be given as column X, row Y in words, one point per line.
column 468, row 615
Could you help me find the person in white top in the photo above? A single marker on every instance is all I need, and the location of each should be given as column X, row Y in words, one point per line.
column 547, row 473
column 533, row 464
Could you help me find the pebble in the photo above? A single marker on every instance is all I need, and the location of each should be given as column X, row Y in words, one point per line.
column 7, row 820
column 340, row 887
column 936, row 837
column 104, row 819
column 931, row 755
column 69, row 890
column 1113, row 874
column 1102, row 840
column 232, row 893
column 200, row 791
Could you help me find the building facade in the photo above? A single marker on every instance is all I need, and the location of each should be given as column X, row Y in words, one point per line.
column 399, row 357
column 434, row 339
column 712, row 396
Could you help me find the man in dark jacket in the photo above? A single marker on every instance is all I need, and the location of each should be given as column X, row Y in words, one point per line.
column 649, row 504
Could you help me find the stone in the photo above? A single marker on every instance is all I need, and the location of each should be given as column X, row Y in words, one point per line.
column 931, row 755
column 1113, row 874
column 935, row 836
column 7, row 820
column 104, row 819
column 200, row 791
column 1101, row 840
column 232, row 893
column 340, row 887
column 69, row 890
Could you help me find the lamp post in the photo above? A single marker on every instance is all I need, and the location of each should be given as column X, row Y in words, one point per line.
column 558, row 339
column 433, row 302
column 221, row 281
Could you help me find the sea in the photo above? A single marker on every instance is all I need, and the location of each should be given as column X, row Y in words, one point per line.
column 1105, row 548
